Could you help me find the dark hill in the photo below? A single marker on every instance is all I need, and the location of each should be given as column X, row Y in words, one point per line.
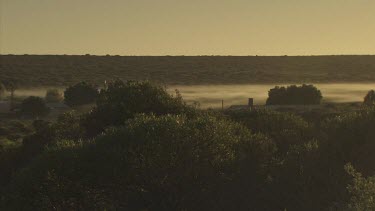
column 39, row 70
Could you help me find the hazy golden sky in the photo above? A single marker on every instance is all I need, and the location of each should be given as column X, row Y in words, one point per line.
column 188, row 27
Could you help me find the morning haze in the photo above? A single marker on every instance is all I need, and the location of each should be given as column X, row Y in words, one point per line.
column 194, row 27
column 187, row 105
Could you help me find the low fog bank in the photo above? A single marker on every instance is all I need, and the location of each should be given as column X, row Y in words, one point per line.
column 212, row 95
column 38, row 92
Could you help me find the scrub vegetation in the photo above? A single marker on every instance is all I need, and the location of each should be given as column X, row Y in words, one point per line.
column 141, row 148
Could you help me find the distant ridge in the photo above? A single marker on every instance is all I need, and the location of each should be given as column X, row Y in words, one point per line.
column 62, row 70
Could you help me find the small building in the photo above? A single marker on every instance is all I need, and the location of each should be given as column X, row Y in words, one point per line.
column 250, row 102
column 292, row 108
column 250, row 105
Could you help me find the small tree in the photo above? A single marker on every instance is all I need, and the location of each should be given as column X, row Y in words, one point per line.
column 54, row 96
column 80, row 94
column 370, row 98
column 11, row 86
column 34, row 107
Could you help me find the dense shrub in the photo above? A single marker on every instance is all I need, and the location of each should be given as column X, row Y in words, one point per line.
column 284, row 128
column 155, row 153
column 351, row 138
column 151, row 163
column 362, row 191
column 122, row 100
column 54, row 96
column 80, row 94
column 294, row 95
column 67, row 126
column 14, row 127
column 370, row 98
column 34, row 107
column 43, row 135
column 9, row 158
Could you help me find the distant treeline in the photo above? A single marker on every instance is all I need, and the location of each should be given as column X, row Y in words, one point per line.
column 30, row 70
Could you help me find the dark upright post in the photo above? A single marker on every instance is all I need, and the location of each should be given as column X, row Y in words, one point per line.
column 251, row 102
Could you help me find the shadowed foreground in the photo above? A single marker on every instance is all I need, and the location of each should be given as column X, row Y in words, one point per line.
column 140, row 148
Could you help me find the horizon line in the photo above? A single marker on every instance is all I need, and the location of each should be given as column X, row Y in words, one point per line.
column 181, row 55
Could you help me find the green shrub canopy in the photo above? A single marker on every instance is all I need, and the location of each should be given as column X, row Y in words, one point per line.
column 284, row 128
column 156, row 153
column 154, row 163
column 294, row 95
column 122, row 100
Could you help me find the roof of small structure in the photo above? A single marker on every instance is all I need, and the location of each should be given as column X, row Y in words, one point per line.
column 238, row 107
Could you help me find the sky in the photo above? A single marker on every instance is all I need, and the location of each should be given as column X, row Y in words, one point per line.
column 187, row 27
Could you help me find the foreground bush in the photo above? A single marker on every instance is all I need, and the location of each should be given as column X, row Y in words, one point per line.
column 122, row 100
column 151, row 163
column 294, row 95
column 285, row 129
column 155, row 153
column 351, row 139
column 362, row 191
column 297, row 179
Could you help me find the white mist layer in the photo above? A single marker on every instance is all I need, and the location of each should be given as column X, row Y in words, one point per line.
column 210, row 96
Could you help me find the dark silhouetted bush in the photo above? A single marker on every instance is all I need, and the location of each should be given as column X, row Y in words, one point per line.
column 351, row 138
column 68, row 126
column 150, row 163
column 370, row 98
column 44, row 134
column 34, row 107
column 285, row 129
column 80, row 94
column 362, row 191
column 122, row 100
column 294, row 95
